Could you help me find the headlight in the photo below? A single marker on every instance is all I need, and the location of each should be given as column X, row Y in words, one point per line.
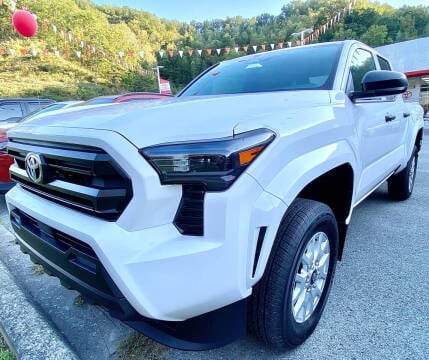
column 213, row 163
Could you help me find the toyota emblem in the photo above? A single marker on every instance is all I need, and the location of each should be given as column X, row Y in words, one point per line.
column 34, row 167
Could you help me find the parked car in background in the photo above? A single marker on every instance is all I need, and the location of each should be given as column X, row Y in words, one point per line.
column 55, row 106
column 47, row 108
column 12, row 110
column 107, row 99
column 5, row 162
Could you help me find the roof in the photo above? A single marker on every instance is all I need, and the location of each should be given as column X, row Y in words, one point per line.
column 27, row 99
column 408, row 56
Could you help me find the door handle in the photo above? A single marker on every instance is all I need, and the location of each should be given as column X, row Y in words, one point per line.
column 389, row 117
column 406, row 114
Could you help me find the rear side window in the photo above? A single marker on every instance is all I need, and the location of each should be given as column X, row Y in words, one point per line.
column 362, row 62
column 33, row 106
column 10, row 112
column 384, row 64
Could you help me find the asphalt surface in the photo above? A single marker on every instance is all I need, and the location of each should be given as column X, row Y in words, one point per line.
column 378, row 307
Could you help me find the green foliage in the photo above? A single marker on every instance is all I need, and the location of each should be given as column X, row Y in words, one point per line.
column 138, row 346
column 5, row 354
column 112, row 30
column 134, row 81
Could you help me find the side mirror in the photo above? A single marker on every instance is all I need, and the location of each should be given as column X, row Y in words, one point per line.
column 381, row 83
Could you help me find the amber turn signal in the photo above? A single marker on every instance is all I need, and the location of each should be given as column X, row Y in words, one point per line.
column 247, row 156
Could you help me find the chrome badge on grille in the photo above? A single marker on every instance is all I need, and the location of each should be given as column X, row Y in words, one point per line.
column 34, row 167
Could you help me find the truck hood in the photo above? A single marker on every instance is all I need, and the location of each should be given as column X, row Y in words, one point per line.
column 182, row 119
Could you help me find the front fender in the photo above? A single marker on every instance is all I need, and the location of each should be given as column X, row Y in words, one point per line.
column 302, row 170
column 291, row 180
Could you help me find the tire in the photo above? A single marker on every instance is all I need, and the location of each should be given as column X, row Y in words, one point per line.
column 273, row 315
column 400, row 186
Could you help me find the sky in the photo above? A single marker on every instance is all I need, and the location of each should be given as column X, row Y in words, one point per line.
column 187, row 10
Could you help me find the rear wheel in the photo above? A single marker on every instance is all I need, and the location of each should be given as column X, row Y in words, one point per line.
column 288, row 301
column 400, row 186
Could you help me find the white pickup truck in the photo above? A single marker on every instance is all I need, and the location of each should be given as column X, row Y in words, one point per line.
column 223, row 209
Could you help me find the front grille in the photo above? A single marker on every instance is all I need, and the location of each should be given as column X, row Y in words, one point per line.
column 80, row 177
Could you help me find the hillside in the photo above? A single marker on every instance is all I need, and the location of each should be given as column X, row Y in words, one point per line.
column 82, row 50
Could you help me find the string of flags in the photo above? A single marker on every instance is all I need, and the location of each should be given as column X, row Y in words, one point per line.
column 82, row 48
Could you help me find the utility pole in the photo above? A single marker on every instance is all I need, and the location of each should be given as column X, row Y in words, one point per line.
column 301, row 34
column 156, row 68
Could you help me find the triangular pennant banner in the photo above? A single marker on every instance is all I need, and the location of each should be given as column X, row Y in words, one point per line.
column 78, row 53
column 245, row 48
column 121, row 54
column 190, row 52
column 289, row 43
column 199, row 51
column 181, row 53
column 280, row 44
column 263, row 46
column 272, row 46
column 209, row 51
column 12, row 51
column 161, row 53
column 34, row 52
column 23, row 52
column 236, row 49
column 57, row 53
column 141, row 54
column 54, row 28
column 254, row 47
column 227, row 50
column 170, row 53
column 218, row 51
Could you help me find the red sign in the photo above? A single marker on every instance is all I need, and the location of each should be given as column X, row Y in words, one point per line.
column 164, row 86
column 407, row 94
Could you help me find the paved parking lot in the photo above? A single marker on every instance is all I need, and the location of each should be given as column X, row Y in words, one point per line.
column 378, row 307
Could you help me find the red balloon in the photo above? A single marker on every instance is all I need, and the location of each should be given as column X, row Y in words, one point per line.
column 25, row 23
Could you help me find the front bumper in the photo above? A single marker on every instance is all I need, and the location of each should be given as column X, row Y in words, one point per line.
column 165, row 275
column 79, row 268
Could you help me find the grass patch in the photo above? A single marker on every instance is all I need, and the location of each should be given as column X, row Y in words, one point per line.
column 5, row 354
column 138, row 346
column 38, row 269
column 79, row 300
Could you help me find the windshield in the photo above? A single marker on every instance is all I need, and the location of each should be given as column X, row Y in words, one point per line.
column 300, row 68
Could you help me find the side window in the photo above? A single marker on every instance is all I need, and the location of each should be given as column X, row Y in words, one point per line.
column 10, row 111
column 33, row 106
column 384, row 64
column 362, row 62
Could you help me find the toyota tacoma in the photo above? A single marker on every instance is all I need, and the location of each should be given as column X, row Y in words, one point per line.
column 225, row 208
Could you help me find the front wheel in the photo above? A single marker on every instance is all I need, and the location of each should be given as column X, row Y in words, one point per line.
column 400, row 186
column 288, row 302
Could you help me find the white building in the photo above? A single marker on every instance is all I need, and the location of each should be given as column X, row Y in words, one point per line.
column 412, row 58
